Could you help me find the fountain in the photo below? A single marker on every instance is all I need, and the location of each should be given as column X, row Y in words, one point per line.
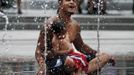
column 45, row 39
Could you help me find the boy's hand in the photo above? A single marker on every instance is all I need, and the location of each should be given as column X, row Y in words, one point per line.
column 70, row 51
column 112, row 61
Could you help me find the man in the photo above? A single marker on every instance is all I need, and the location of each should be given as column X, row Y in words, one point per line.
column 66, row 9
column 19, row 6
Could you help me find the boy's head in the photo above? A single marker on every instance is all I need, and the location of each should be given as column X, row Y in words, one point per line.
column 58, row 27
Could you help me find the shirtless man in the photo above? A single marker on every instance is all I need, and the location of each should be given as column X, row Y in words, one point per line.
column 66, row 9
column 19, row 6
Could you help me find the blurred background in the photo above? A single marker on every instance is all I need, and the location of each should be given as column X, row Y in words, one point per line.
column 21, row 21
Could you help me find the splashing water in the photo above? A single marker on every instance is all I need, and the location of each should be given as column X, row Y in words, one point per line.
column 45, row 8
column 98, row 36
column 45, row 39
column 6, row 18
column 5, row 37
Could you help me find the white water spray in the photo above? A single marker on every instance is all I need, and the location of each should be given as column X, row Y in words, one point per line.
column 45, row 37
column 98, row 35
column 5, row 40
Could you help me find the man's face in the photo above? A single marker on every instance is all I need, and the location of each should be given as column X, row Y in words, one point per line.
column 69, row 6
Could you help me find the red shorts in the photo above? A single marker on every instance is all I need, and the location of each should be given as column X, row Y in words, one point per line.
column 79, row 60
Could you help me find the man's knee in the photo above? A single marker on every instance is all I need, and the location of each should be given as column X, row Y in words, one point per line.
column 107, row 56
column 104, row 55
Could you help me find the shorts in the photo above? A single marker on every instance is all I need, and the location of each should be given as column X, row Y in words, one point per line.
column 80, row 60
column 56, row 64
column 90, row 57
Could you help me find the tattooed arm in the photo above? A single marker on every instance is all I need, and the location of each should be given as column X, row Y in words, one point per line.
column 40, row 49
column 39, row 53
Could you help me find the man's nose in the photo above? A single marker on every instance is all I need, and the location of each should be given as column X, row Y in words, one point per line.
column 71, row 1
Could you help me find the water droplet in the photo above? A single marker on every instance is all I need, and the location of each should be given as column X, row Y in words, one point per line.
column 103, row 27
column 38, row 44
column 14, row 59
column 23, row 27
column 38, row 26
column 35, row 19
column 12, row 29
column 31, row 3
column 88, row 22
column 42, row 6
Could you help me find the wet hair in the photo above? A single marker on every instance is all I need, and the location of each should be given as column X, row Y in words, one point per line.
column 58, row 26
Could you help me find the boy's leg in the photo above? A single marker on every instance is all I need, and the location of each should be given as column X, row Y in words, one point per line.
column 69, row 62
column 70, row 67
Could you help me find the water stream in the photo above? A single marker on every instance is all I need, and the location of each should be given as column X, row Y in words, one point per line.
column 5, row 37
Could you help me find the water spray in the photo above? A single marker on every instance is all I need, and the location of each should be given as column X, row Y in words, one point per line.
column 5, row 28
column 98, row 36
column 45, row 39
